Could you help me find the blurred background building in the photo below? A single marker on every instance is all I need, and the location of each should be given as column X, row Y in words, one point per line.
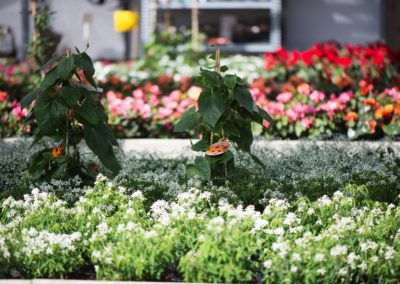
column 247, row 26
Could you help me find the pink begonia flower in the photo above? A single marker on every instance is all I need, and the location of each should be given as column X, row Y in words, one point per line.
column 145, row 111
column 176, row 95
column 293, row 116
column 317, row 96
column 275, row 108
column 299, row 108
column 194, row 92
column 307, row 122
column 284, row 97
column 138, row 93
column 155, row 90
column 393, row 92
column 17, row 111
column 266, row 124
column 330, row 107
column 164, row 112
column 171, row 105
column 3, row 96
column 154, row 101
column 10, row 71
column 345, row 97
column 111, row 95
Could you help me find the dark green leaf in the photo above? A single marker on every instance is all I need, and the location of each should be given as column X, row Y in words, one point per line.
column 257, row 160
column 88, row 113
column 97, row 139
column 230, row 81
column 51, row 61
column 49, row 112
column 265, row 115
column 189, row 120
column 230, row 128
column 245, row 139
column 50, row 78
column 203, row 168
column 211, row 106
column 211, row 76
column 70, row 95
column 27, row 100
column 84, row 62
column 191, row 171
column 224, row 68
column 65, row 67
column 200, row 146
column 244, row 98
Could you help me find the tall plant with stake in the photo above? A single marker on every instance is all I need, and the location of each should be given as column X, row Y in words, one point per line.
column 67, row 109
column 226, row 110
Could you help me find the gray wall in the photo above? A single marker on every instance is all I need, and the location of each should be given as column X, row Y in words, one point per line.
column 352, row 21
column 305, row 22
column 104, row 41
column 10, row 15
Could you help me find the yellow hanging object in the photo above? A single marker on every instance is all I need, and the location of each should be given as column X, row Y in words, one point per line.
column 125, row 20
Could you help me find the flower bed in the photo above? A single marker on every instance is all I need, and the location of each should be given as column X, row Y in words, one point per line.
column 325, row 91
column 319, row 213
column 192, row 239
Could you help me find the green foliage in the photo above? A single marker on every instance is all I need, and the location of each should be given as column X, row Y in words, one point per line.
column 44, row 42
column 68, row 112
column 340, row 238
column 226, row 109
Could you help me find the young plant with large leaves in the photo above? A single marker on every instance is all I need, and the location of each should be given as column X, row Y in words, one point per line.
column 67, row 109
column 226, row 109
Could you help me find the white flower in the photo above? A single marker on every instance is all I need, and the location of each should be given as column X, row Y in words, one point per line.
column 319, row 257
column 121, row 189
column 343, row 271
column 389, row 254
column 260, row 224
column 296, row 257
column 363, row 266
column 293, row 268
column 290, row 219
column 267, row 264
column 351, row 258
column 338, row 250
column 138, row 195
column 321, row 271
column 310, row 211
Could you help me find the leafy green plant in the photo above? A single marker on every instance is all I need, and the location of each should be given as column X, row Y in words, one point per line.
column 68, row 110
column 44, row 41
column 226, row 110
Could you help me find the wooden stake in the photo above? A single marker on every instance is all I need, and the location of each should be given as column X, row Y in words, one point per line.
column 217, row 67
column 34, row 10
column 195, row 26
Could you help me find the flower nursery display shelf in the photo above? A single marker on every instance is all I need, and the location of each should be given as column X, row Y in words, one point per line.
column 236, row 26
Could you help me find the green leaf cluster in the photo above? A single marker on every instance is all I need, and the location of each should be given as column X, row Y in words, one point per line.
column 226, row 109
column 68, row 110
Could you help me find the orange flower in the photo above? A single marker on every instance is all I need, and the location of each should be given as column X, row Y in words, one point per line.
column 304, row 88
column 372, row 125
column 378, row 113
column 387, row 110
column 369, row 102
column 351, row 116
column 94, row 166
column 56, row 151
column 397, row 110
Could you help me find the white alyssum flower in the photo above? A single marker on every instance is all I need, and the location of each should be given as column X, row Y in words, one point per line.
column 338, row 250
column 267, row 264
